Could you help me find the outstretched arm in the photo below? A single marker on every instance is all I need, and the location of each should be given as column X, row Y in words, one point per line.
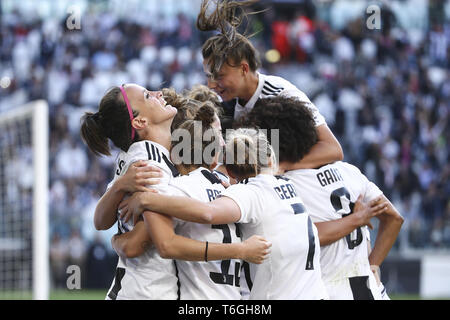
column 172, row 246
column 326, row 150
column 220, row 211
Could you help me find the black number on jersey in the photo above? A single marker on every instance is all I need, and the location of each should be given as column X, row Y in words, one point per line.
column 299, row 209
column 336, row 202
column 120, row 167
column 224, row 277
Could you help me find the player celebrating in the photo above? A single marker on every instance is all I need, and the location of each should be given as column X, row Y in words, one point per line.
column 231, row 62
column 141, row 132
column 218, row 280
column 138, row 122
column 263, row 204
column 329, row 193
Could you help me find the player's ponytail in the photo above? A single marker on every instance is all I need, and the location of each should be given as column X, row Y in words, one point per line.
column 229, row 46
column 112, row 121
column 93, row 134
column 248, row 153
column 206, row 114
column 204, row 140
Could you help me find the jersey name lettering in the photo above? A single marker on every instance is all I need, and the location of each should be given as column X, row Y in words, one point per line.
column 285, row 191
column 329, row 176
column 212, row 194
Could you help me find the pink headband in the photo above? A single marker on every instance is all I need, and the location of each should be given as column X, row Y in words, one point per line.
column 130, row 111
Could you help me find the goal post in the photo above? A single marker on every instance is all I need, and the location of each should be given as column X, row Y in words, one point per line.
column 24, row 202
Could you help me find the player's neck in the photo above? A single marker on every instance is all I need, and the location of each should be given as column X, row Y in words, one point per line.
column 250, row 88
column 160, row 136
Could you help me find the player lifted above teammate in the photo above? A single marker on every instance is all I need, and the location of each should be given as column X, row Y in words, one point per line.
column 231, row 65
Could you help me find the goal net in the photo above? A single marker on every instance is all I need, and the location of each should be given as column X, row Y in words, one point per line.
column 24, row 240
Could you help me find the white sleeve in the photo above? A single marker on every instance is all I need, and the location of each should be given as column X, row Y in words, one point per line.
column 369, row 189
column 296, row 93
column 247, row 201
column 137, row 153
column 372, row 191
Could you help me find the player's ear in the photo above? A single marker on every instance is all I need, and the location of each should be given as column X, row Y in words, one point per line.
column 139, row 123
column 245, row 68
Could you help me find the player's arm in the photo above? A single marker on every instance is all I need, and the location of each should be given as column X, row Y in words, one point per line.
column 326, row 150
column 220, row 211
column 172, row 246
column 133, row 243
column 138, row 175
column 332, row 231
column 388, row 229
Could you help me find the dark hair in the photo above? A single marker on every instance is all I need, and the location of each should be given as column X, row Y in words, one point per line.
column 206, row 116
column 294, row 120
column 229, row 46
column 112, row 121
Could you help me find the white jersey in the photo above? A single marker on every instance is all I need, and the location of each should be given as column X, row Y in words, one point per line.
column 212, row 280
column 272, row 86
column 330, row 193
column 147, row 277
column 271, row 208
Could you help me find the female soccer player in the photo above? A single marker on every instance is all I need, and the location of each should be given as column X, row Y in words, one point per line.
column 263, row 204
column 138, row 122
column 330, row 193
column 231, row 62
column 217, row 280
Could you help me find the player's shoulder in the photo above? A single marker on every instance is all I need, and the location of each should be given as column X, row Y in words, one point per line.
column 275, row 82
column 278, row 86
column 263, row 180
column 149, row 149
column 152, row 152
column 200, row 177
column 348, row 168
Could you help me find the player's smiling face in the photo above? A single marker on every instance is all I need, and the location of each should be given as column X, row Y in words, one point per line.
column 227, row 83
column 150, row 104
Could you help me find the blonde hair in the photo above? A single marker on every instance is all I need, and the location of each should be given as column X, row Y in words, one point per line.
column 248, row 153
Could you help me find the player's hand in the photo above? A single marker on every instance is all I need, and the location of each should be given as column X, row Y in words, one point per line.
column 131, row 207
column 138, row 176
column 365, row 212
column 256, row 249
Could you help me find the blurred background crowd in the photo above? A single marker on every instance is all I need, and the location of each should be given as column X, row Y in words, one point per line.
column 385, row 93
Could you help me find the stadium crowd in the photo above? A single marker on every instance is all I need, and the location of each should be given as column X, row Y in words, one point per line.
column 385, row 94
